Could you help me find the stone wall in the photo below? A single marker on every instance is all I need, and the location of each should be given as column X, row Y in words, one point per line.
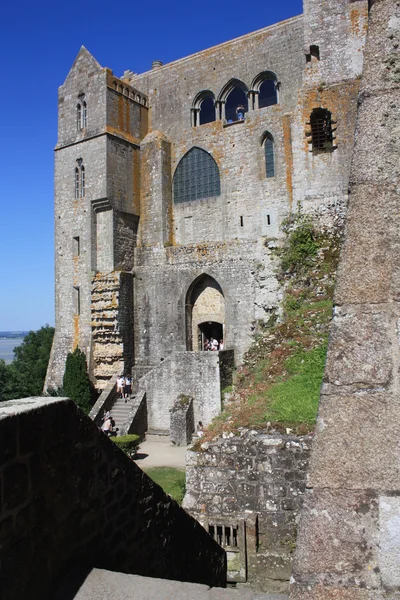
column 249, row 490
column 70, row 498
column 195, row 374
column 349, row 536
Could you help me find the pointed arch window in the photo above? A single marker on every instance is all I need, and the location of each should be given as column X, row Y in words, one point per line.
column 196, row 177
column 265, row 87
column 269, row 155
column 84, row 115
column 79, row 116
column 80, row 183
column 203, row 108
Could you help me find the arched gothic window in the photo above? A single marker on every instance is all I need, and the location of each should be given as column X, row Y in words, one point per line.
column 266, row 85
column 236, row 105
column 196, row 177
column 84, row 113
column 269, row 155
column 207, row 111
column 268, row 94
column 80, row 183
column 79, row 116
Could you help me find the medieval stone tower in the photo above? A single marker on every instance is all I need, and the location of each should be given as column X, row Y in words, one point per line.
column 170, row 188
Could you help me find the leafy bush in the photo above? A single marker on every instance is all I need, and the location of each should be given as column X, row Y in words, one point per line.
column 76, row 383
column 300, row 246
column 127, row 443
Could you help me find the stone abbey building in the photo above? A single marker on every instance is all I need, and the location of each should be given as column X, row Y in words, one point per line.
column 170, row 188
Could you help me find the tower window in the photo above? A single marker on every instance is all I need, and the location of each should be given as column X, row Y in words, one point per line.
column 79, row 180
column 76, row 246
column 321, row 130
column 79, row 116
column 241, row 221
column 269, row 155
column 84, row 115
column 77, row 300
column 314, row 53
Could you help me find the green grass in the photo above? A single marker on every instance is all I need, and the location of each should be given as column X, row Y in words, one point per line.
column 171, row 480
column 296, row 399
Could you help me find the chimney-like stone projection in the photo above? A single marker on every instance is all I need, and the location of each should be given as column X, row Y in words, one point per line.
column 349, row 538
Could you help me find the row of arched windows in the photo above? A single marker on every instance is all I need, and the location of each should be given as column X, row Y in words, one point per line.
column 235, row 100
column 197, row 174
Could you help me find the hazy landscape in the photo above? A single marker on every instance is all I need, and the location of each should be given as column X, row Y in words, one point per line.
column 8, row 341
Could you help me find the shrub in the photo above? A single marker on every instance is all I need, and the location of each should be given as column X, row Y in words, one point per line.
column 76, row 383
column 127, row 443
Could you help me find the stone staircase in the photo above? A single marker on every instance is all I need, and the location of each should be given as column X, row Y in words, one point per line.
column 120, row 411
column 103, row 585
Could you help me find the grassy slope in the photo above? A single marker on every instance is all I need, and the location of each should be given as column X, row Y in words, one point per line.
column 171, row 480
column 279, row 383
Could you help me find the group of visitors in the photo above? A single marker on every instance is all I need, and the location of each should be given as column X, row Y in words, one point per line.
column 124, row 386
column 213, row 344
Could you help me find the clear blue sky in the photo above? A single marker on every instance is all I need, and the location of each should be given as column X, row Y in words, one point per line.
column 38, row 44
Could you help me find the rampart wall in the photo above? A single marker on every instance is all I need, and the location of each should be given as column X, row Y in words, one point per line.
column 253, row 483
column 70, row 498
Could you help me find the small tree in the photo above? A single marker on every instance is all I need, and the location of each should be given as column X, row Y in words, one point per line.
column 76, row 383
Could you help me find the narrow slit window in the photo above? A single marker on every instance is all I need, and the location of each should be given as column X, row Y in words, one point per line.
column 268, row 219
column 76, row 246
column 77, row 300
column 234, row 536
column 241, row 221
column 79, row 116
column 84, row 113
column 269, row 156
column 227, row 536
column 82, row 190
column 76, row 183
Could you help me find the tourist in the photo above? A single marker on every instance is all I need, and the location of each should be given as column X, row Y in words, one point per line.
column 107, row 427
column 121, row 386
column 200, row 428
column 214, row 344
column 221, row 344
column 128, row 387
column 206, row 345
column 107, row 415
column 240, row 112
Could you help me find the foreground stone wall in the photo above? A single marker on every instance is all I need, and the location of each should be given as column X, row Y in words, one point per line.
column 253, row 484
column 349, row 538
column 70, row 498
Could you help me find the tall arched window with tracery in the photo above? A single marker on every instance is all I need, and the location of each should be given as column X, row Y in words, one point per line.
column 196, row 177
column 82, row 181
column 269, row 155
column 77, row 183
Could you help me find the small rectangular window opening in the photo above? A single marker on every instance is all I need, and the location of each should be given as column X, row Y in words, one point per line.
column 77, row 301
column 76, row 245
column 241, row 221
column 268, row 219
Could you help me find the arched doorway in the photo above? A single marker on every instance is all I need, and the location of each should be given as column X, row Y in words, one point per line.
column 205, row 312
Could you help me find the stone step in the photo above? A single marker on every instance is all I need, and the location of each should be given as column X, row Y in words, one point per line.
column 103, row 585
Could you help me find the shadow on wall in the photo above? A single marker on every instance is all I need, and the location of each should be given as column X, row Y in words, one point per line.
column 71, row 497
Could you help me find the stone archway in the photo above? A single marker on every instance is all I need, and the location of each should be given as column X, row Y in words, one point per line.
column 205, row 311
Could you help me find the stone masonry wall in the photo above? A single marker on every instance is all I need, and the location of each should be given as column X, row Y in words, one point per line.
column 257, row 480
column 70, row 498
column 195, row 374
column 349, row 535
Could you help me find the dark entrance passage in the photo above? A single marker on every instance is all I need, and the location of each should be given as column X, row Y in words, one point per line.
column 208, row 330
